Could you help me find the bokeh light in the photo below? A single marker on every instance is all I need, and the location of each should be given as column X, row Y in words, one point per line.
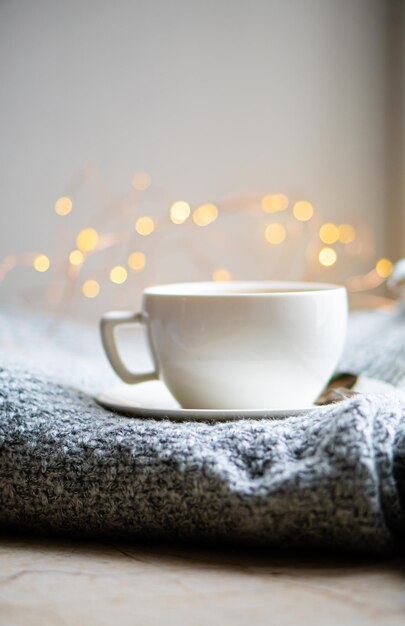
column 87, row 239
column 221, row 275
column 136, row 261
column 118, row 274
column 384, row 268
column 303, row 211
column 90, row 288
column 205, row 214
column 275, row 233
column 41, row 263
column 329, row 233
column 76, row 257
column 273, row 203
column 144, row 225
column 347, row 233
column 327, row 257
column 141, row 181
column 63, row 205
column 179, row 212
column 321, row 244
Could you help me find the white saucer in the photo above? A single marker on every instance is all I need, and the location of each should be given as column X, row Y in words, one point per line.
column 153, row 400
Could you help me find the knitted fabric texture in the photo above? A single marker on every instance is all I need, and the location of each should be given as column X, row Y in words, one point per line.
column 333, row 478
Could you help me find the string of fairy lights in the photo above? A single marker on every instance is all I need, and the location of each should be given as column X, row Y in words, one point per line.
column 325, row 242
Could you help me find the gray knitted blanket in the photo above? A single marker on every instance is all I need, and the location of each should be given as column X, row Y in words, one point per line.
column 334, row 478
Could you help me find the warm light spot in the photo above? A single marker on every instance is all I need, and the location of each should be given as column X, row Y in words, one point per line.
column 118, row 275
column 327, row 257
column 221, row 275
column 87, row 239
column 136, row 261
column 329, row 233
column 90, row 288
column 141, row 181
column 76, row 257
column 275, row 233
column 274, row 202
column 63, row 205
column 205, row 214
column 303, row 211
column 144, row 226
column 179, row 212
column 384, row 268
column 347, row 234
column 41, row 263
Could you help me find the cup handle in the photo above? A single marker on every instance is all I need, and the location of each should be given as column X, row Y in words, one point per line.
column 108, row 324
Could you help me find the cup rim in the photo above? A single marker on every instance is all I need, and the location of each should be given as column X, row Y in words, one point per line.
column 242, row 288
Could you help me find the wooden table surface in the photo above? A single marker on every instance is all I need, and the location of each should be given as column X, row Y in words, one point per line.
column 55, row 582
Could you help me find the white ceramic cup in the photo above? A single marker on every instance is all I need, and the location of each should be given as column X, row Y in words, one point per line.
column 238, row 345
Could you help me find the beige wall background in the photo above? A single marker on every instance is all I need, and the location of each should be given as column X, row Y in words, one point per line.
column 213, row 98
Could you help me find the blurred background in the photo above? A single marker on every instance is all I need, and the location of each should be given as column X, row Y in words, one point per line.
column 154, row 141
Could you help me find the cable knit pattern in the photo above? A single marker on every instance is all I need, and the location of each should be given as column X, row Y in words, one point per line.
column 333, row 478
